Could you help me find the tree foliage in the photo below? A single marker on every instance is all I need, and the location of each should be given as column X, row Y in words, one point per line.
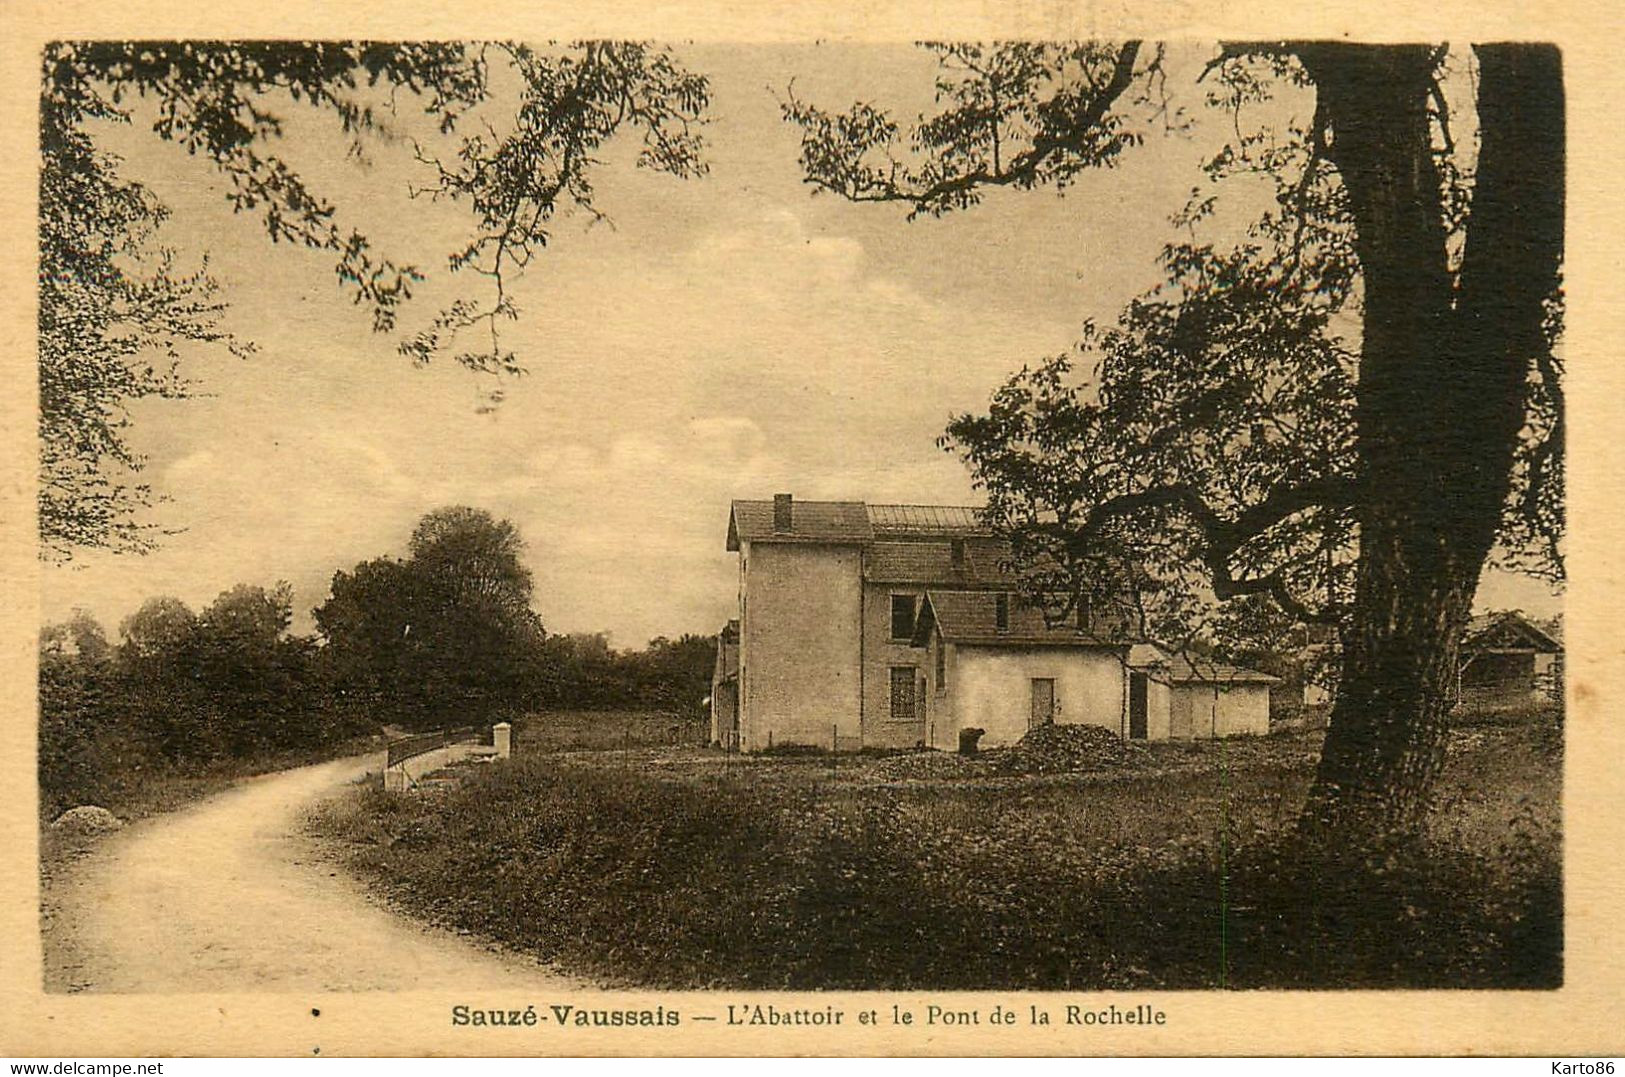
column 1202, row 445
column 517, row 181
column 448, row 635
column 180, row 691
column 449, row 628
column 1209, row 440
column 116, row 310
column 1016, row 114
column 584, row 672
column 443, row 636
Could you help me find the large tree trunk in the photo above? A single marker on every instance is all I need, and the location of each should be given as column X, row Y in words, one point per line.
column 1441, row 397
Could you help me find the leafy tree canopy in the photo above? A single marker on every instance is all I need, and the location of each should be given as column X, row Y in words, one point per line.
column 116, row 309
column 450, row 625
column 161, row 627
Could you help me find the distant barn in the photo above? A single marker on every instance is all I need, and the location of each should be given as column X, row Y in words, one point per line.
column 1507, row 658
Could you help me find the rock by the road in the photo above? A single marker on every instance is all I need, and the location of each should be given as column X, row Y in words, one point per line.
column 87, row 819
column 231, row 894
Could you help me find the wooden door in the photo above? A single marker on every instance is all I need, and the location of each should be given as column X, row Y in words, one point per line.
column 1138, row 684
column 1043, row 702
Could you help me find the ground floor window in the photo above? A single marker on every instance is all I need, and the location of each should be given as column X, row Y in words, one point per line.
column 904, row 704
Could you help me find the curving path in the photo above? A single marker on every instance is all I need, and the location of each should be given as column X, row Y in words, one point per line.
column 230, row 895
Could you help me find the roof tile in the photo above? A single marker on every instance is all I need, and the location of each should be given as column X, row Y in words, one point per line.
column 944, row 520
column 972, row 617
column 811, row 521
column 933, row 563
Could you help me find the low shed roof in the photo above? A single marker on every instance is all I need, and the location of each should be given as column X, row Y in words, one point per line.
column 1508, row 631
column 1174, row 668
column 972, row 618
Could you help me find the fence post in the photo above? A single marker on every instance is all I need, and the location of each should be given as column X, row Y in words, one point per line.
column 502, row 739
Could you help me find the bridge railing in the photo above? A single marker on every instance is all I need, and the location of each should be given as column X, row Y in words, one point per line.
column 399, row 751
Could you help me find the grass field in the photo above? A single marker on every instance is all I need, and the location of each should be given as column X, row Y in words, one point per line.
column 677, row 866
column 557, row 731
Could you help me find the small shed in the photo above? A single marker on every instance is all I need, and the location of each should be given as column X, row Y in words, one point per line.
column 1507, row 658
column 1173, row 696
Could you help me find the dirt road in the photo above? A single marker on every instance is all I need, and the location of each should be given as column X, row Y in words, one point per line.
column 229, row 895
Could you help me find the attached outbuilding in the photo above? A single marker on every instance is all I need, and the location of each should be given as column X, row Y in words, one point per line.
column 1174, row 696
column 725, row 688
column 994, row 664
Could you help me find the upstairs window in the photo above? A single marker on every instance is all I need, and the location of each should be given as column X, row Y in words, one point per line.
column 903, row 608
column 1001, row 612
column 942, row 666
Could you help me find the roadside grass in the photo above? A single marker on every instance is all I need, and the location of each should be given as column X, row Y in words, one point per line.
column 152, row 789
column 684, row 868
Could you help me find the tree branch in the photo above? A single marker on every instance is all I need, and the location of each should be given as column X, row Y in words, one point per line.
column 1023, row 169
column 1223, row 537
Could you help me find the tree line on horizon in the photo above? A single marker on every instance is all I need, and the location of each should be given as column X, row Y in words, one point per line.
column 444, row 636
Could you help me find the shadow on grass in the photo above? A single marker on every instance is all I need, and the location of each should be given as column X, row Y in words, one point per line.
column 725, row 879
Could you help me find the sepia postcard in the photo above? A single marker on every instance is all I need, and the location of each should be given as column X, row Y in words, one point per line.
column 818, row 531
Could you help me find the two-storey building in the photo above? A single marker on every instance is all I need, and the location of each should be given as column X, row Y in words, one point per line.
column 829, row 596
column 896, row 626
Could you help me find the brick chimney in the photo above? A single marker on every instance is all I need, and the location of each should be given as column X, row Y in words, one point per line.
column 783, row 512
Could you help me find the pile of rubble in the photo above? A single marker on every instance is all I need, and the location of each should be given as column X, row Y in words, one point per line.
column 1062, row 749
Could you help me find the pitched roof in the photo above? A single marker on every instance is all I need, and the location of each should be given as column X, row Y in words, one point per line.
column 943, row 520
column 933, row 563
column 1507, row 629
column 810, row 521
column 971, row 617
column 1194, row 669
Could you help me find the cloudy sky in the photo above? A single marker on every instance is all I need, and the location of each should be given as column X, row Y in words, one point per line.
column 732, row 336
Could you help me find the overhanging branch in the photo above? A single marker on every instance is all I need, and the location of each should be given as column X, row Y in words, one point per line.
column 1022, row 169
column 1223, row 537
